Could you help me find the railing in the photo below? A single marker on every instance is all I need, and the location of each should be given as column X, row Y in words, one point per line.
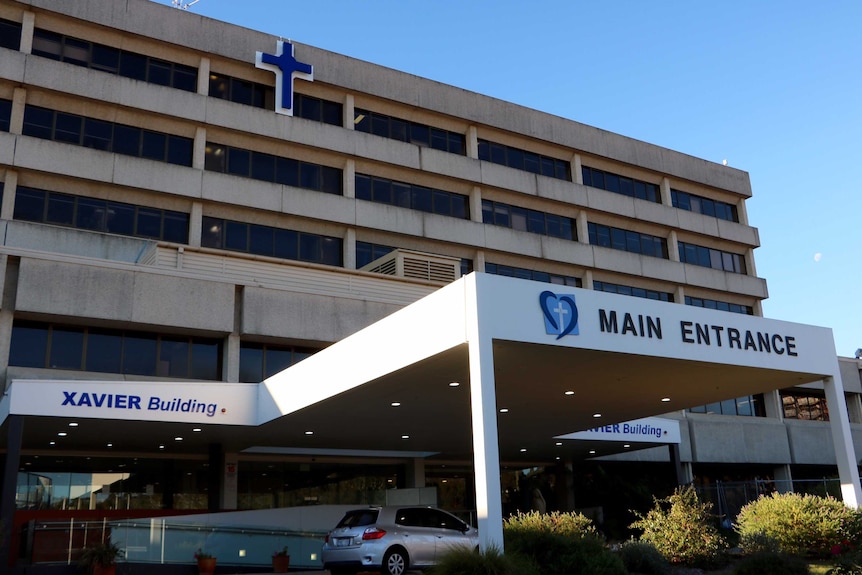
column 169, row 541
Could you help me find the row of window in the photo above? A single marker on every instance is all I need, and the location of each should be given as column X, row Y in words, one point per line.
column 10, row 34
column 85, row 213
column 621, row 184
column 705, row 206
column 720, row 305
column 268, row 241
column 632, row 291
column 384, row 191
column 51, row 346
column 711, row 258
column 628, row 241
column 808, row 405
column 5, row 114
column 258, row 361
column 114, row 61
column 406, row 131
column 525, row 220
column 539, row 276
column 108, row 136
column 748, row 405
column 269, row 168
column 258, row 95
column 524, row 160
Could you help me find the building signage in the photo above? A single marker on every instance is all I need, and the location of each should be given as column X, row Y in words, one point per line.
column 286, row 68
column 561, row 313
column 646, row 430
column 226, row 404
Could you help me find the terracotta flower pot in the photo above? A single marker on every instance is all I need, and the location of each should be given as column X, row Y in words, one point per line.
column 206, row 566
column 280, row 563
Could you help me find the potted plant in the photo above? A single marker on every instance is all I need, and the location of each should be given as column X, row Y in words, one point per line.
column 206, row 562
column 280, row 561
column 101, row 558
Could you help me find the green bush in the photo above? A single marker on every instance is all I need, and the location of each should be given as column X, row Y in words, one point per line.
column 682, row 529
column 642, row 557
column 847, row 564
column 771, row 563
column 464, row 561
column 560, row 544
column 567, row 524
column 797, row 524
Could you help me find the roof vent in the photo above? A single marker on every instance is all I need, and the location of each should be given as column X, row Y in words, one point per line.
column 416, row 265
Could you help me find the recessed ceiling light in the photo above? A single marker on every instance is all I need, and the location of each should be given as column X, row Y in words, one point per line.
column 454, row 384
column 52, row 443
column 62, row 434
column 592, row 451
column 665, row 399
column 504, row 410
column 178, row 438
column 73, row 424
column 161, row 446
column 405, row 437
column 557, row 457
column 523, row 450
column 395, row 404
column 197, row 429
column 626, row 445
column 559, row 443
column 309, row 433
column 597, row 415
column 110, row 445
column 28, row 463
column 570, row 392
column 445, row 481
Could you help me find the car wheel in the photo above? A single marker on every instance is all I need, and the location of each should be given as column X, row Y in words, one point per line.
column 395, row 562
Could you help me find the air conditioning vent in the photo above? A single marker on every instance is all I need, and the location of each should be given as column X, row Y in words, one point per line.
column 416, row 265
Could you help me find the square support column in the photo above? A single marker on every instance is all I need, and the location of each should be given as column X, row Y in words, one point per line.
column 845, row 454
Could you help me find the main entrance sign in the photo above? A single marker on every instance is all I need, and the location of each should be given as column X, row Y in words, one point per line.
column 286, row 68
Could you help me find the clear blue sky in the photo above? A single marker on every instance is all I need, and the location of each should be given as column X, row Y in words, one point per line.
column 774, row 87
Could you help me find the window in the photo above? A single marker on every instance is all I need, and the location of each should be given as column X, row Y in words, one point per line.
column 406, row 131
column 628, row 241
column 632, row 291
column 383, row 191
column 621, row 185
column 367, row 253
column 42, row 206
column 749, row 406
column 524, row 160
column 113, row 60
column 805, row 404
column 720, row 305
column 522, row 219
column 258, row 361
column 52, row 346
column 10, row 34
column 107, row 136
column 711, row 258
column 273, row 242
column 269, row 168
column 5, row 114
column 539, row 276
column 706, row 206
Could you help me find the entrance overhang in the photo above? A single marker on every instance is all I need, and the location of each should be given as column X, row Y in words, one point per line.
column 488, row 368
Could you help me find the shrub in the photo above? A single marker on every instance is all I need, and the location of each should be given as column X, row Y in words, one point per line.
column 847, row 564
column 560, row 544
column 682, row 529
column 797, row 524
column 465, row 561
column 642, row 557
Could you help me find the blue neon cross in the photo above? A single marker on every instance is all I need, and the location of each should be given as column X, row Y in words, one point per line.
column 288, row 65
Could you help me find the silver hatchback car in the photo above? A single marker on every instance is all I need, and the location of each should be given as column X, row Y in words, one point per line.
column 394, row 539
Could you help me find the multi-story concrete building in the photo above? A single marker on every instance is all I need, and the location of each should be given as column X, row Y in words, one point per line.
column 162, row 222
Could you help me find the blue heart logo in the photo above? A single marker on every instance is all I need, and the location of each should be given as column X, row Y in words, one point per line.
column 561, row 313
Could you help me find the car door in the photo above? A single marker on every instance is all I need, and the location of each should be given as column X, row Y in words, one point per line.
column 449, row 532
column 419, row 539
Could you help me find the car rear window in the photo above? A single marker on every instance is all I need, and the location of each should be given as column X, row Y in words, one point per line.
column 359, row 518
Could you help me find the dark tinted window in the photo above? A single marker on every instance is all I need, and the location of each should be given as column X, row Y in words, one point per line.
column 499, row 214
column 524, row 160
column 402, row 194
column 708, row 207
column 535, row 275
column 10, row 34
column 359, row 518
column 621, row 184
column 406, row 131
column 632, row 291
column 711, row 258
column 5, row 114
column 628, row 241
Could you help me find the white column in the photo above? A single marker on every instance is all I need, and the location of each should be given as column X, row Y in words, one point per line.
column 10, row 186
column 679, row 294
column 199, row 152
column 28, row 24
column 16, row 119
column 349, row 112
column 196, row 224
column 742, row 212
column 349, row 179
column 231, row 356
column 486, row 450
column 665, row 192
column 479, row 261
column 587, row 281
column 577, row 172
column 472, row 138
column 750, row 268
column 673, row 246
column 476, row 204
column 204, row 77
column 772, row 405
column 583, row 228
column 848, row 472
column 349, row 249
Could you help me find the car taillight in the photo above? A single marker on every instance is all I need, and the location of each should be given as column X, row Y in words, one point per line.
column 373, row 533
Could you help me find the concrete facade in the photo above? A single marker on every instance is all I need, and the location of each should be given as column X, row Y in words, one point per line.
column 59, row 275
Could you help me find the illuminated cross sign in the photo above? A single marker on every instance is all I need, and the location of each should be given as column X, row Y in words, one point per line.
column 286, row 68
